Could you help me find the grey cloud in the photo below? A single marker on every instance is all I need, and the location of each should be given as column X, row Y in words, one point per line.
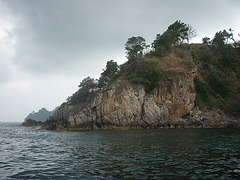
column 4, row 75
column 56, row 34
column 68, row 34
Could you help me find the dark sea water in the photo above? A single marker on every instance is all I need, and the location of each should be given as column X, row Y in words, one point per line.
column 29, row 153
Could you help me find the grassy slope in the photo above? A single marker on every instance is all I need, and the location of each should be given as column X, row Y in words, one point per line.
column 219, row 77
column 217, row 83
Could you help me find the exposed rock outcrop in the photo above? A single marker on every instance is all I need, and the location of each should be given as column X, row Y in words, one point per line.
column 32, row 122
column 127, row 106
column 214, row 119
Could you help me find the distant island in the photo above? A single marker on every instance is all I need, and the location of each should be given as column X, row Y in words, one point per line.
column 37, row 118
column 42, row 115
column 168, row 84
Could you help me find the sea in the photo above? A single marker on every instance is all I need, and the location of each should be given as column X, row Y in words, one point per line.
column 31, row 153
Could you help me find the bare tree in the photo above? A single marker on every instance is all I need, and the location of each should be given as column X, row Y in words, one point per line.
column 191, row 33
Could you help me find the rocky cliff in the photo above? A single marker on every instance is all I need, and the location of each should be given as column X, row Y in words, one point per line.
column 163, row 91
column 32, row 122
column 127, row 106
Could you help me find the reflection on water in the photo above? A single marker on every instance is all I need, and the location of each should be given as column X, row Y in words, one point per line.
column 27, row 152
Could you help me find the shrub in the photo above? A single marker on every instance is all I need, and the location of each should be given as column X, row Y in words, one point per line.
column 219, row 102
column 146, row 73
column 86, row 87
column 190, row 64
column 234, row 108
column 218, row 85
column 202, row 93
column 201, row 90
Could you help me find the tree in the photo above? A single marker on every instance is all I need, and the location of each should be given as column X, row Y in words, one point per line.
column 134, row 47
column 222, row 41
column 107, row 74
column 178, row 32
column 237, row 43
column 222, row 38
column 87, row 86
column 191, row 33
column 162, row 44
column 206, row 40
column 145, row 72
column 218, row 39
column 218, row 85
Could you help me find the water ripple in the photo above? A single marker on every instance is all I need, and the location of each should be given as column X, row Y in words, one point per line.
column 29, row 153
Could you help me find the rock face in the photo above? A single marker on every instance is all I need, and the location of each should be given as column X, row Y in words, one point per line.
column 127, row 106
column 32, row 122
column 214, row 119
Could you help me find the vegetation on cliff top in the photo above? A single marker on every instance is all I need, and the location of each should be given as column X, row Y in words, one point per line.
column 169, row 56
column 218, row 61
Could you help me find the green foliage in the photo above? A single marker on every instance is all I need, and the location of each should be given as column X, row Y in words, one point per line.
column 202, row 93
column 234, row 108
column 134, row 47
column 207, row 59
column 162, row 44
column 206, row 41
column 219, row 102
column 218, row 85
column 219, row 66
column 218, row 62
column 222, row 38
column 228, row 56
column 87, row 86
column 108, row 74
column 190, row 64
column 185, row 46
column 146, row 73
column 176, row 33
column 221, row 41
column 194, row 54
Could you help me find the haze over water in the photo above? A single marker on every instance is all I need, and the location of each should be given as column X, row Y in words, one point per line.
column 26, row 152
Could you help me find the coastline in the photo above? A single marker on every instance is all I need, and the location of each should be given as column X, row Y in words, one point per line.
column 202, row 121
column 196, row 119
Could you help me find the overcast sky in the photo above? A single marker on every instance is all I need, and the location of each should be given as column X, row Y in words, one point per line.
column 47, row 47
